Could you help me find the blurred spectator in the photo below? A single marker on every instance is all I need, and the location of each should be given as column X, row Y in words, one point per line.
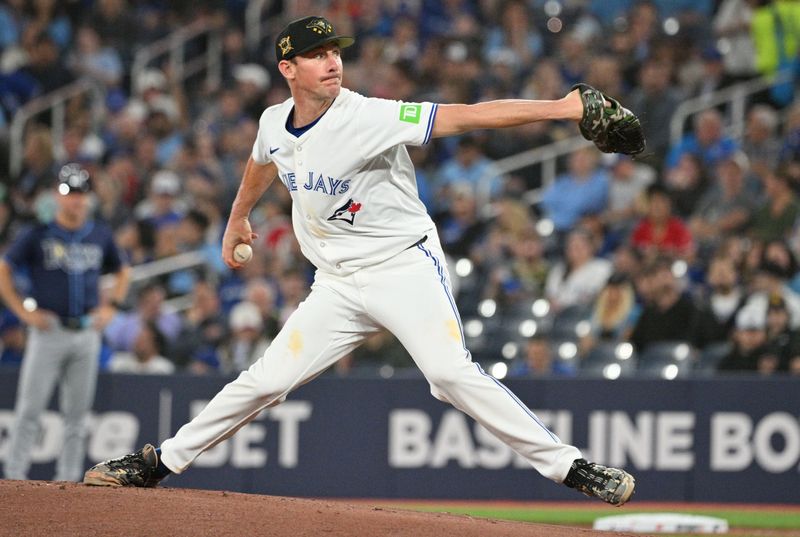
column 629, row 182
column 686, row 182
column 779, row 332
column 108, row 188
column 713, row 76
column 247, row 341
column 750, row 350
column 577, row 279
column 659, row 232
column 615, row 312
column 146, row 356
column 717, row 309
column 137, row 239
column 93, row 58
column 761, row 143
column 380, row 349
column 668, row 315
column 45, row 65
column 460, row 226
column 252, row 84
column 524, row 274
column 163, row 206
column 203, row 329
column 538, row 361
column 774, row 35
column 262, row 294
column 731, row 25
column 725, row 209
column 38, row 172
column 582, row 190
column 293, row 289
column 516, row 37
column 116, row 26
column 707, row 141
column 771, row 281
column 777, row 215
column 654, row 101
column 122, row 331
column 470, row 166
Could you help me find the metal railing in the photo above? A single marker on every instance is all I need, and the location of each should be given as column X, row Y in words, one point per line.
column 154, row 269
column 255, row 28
column 546, row 155
column 55, row 102
column 735, row 95
column 174, row 49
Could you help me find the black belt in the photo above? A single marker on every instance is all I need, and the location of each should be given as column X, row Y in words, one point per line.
column 423, row 239
column 73, row 323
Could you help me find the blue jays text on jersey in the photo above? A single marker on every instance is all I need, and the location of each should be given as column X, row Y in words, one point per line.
column 317, row 183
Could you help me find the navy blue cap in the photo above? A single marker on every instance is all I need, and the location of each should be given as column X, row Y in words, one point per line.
column 73, row 178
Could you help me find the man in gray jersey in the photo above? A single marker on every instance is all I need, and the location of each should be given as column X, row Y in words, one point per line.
column 64, row 261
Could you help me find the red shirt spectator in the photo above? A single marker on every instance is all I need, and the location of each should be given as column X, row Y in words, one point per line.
column 660, row 232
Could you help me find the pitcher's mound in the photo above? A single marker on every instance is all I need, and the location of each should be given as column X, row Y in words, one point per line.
column 36, row 508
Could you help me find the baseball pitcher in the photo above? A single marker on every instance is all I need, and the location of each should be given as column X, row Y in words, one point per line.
column 357, row 216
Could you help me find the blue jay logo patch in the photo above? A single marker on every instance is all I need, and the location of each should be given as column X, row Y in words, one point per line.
column 346, row 212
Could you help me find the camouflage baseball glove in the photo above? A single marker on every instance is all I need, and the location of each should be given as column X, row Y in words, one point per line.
column 614, row 128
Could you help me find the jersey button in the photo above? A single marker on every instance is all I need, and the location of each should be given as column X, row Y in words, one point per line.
column 299, row 148
column 322, row 244
column 299, row 162
column 338, row 266
column 308, row 217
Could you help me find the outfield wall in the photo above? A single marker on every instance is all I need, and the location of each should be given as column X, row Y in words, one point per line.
column 710, row 440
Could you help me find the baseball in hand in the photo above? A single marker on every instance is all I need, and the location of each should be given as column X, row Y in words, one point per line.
column 242, row 252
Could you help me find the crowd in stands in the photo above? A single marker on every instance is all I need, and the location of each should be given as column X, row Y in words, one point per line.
column 693, row 245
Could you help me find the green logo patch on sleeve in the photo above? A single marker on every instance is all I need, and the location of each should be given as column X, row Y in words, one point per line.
column 410, row 113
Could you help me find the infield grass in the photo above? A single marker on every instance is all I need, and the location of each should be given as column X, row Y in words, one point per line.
column 763, row 520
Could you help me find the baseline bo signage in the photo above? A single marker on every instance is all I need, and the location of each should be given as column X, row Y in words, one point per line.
column 694, row 440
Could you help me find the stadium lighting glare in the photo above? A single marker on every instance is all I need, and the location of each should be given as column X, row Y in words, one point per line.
column 473, row 328
column 670, row 372
column 499, row 370
column 487, row 308
column 464, row 267
column 612, row 371
column 681, row 352
column 583, row 328
column 386, row 371
column 554, row 24
column 624, row 351
column 671, row 26
column 568, row 350
column 680, row 268
column 552, row 8
column 540, row 308
column 528, row 328
column 510, row 350
column 545, row 227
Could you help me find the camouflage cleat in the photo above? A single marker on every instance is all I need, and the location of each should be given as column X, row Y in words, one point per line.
column 134, row 470
column 611, row 485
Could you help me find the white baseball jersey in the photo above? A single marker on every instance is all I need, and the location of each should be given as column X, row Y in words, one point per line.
column 352, row 183
column 356, row 213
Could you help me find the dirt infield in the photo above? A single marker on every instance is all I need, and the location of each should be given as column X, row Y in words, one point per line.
column 39, row 508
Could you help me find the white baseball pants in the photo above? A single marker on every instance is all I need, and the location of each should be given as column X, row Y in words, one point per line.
column 410, row 296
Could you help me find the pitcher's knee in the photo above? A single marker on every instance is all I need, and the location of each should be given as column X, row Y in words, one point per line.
column 443, row 380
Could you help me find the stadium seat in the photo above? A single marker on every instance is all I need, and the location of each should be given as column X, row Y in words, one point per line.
column 667, row 359
column 610, row 360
